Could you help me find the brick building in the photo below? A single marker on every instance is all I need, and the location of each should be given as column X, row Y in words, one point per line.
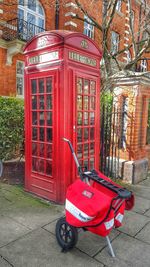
column 20, row 20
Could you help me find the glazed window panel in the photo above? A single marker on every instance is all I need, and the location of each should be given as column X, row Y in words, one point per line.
column 49, row 101
column 79, row 85
column 34, row 102
column 41, row 86
column 48, row 85
column 34, row 86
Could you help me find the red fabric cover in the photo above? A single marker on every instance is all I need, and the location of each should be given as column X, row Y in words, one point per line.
column 93, row 208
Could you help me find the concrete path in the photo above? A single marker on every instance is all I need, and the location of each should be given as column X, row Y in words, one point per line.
column 27, row 234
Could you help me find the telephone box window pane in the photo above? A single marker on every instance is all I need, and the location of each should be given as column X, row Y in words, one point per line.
column 41, row 165
column 79, row 102
column 79, row 135
column 93, row 88
column 48, row 85
column 86, row 164
column 79, row 86
column 86, row 87
column 86, row 150
column 49, row 135
column 41, row 150
column 92, row 118
column 34, row 102
column 34, row 149
column 86, row 134
column 34, row 87
column 49, row 101
column 79, row 151
column 48, row 168
column 49, row 151
column 34, row 164
column 49, row 118
column 92, row 149
column 92, row 133
column 41, row 86
column 41, row 118
column 92, row 103
column 85, row 118
column 41, row 102
column 41, row 134
column 80, row 118
column 34, row 118
column 86, row 103
column 34, row 133
column 92, row 163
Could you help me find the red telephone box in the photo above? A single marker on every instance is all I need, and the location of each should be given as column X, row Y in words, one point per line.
column 62, row 77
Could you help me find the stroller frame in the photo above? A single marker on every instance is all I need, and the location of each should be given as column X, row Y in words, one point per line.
column 87, row 176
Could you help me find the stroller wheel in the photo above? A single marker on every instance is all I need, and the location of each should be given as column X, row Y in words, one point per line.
column 66, row 235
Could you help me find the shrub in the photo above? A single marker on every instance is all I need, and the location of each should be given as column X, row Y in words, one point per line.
column 11, row 127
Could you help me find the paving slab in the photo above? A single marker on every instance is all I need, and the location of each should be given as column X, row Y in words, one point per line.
column 141, row 205
column 141, row 191
column 4, row 263
column 144, row 234
column 146, row 182
column 88, row 243
column 10, row 230
column 129, row 251
column 133, row 223
column 147, row 213
column 40, row 248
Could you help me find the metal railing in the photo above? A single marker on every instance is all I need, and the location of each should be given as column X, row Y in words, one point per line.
column 20, row 29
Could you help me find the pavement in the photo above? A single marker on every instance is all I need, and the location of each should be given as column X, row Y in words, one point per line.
column 27, row 234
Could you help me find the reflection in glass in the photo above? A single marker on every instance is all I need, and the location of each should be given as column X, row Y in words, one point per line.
column 48, row 168
column 92, row 102
column 41, row 134
column 34, row 133
column 34, row 164
column 41, row 150
column 92, row 133
column 79, row 151
column 79, row 135
column 92, row 149
column 79, row 102
column 34, row 118
column 49, row 118
column 41, row 86
column 85, row 150
column 34, row 149
column 79, row 85
column 41, row 118
column 41, row 165
column 86, row 86
column 49, row 151
column 34, row 102
column 48, row 85
column 86, row 102
column 86, row 163
column 85, row 118
column 91, row 163
column 41, row 102
column 79, row 120
column 92, row 118
column 93, row 87
column 49, row 101
column 49, row 135
column 86, row 134
column 33, row 86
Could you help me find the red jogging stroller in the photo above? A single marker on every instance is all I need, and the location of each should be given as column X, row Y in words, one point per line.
column 94, row 203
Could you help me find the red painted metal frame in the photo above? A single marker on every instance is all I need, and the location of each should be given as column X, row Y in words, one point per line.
column 64, row 72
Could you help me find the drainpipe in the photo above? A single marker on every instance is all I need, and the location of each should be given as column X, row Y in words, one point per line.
column 57, row 5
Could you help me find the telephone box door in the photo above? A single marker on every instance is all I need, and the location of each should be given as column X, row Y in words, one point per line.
column 40, row 150
column 86, row 121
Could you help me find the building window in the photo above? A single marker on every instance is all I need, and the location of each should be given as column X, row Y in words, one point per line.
column 114, row 42
column 88, row 28
column 132, row 19
column 31, row 17
column 20, row 78
column 148, row 125
column 118, row 6
column 143, row 65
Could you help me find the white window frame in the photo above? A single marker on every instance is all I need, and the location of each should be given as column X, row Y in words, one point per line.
column 118, row 6
column 114, row 42
column 143, row 65
column 20, row 75
column 35, row 13
column 88, row 28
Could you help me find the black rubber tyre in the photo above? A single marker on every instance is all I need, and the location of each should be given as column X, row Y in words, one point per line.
column 66, row 235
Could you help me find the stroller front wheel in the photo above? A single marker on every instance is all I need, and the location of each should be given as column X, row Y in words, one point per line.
column 66, row 235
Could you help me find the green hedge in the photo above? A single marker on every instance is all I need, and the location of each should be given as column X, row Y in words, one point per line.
column 11, row 127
